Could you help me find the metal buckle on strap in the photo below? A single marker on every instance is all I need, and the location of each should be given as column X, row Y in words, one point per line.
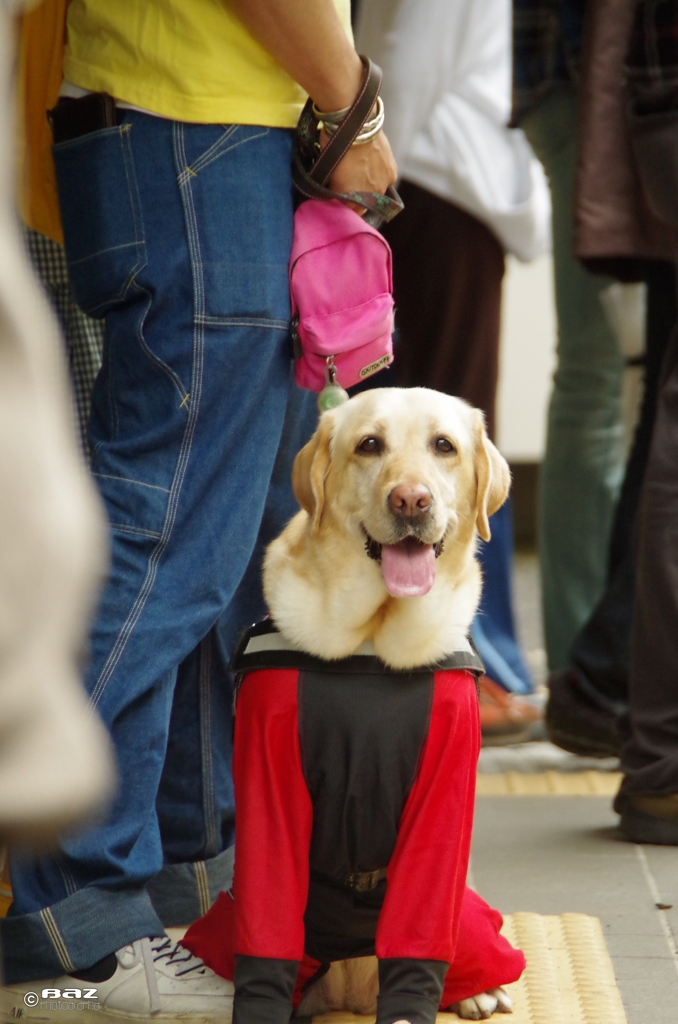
column 364, row 881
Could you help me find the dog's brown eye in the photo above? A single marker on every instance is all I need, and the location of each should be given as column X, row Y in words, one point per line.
column 370, row 446
column 444, row 446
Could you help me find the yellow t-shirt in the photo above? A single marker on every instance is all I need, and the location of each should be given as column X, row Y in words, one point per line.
column 189, row 60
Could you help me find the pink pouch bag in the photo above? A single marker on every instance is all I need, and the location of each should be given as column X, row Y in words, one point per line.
column 341, row 288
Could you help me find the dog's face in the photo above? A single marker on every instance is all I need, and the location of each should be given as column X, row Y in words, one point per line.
column 408, row 471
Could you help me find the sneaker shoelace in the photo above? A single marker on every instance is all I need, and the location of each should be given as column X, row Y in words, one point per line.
column 175, row 954
column 149, row 952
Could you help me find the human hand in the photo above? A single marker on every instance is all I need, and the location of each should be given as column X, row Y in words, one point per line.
column 368, row 168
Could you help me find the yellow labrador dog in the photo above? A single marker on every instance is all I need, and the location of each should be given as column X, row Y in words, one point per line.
column 394, row 486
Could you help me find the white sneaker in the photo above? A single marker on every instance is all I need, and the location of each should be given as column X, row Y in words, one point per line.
column 155, row 977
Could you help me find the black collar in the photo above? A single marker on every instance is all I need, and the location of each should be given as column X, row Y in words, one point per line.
column 262, row 646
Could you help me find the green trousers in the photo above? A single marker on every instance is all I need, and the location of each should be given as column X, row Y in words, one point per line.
column 584, row 461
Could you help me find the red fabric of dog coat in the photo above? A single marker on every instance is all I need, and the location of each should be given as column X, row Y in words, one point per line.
column 344, row 770
column 484, row 959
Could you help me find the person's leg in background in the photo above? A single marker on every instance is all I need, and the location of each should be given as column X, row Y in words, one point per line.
column 448, row 270
column 195, row 801
column 188, row 413
column 248, row 605
column 493, row 629
column 648, row 797
column 195, row 805
column 587, row 698
column 584, row 462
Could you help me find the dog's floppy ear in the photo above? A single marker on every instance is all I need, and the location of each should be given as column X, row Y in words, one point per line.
column 310, row 470
column 492, row 476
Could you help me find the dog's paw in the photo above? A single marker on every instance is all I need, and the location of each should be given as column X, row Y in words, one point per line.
column 482, row 1006
column 504, row 1001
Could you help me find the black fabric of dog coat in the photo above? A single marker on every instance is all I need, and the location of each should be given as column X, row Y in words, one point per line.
column 362, row 729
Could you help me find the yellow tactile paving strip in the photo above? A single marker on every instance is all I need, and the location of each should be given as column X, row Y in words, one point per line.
column 549, row 784
column 569, row 977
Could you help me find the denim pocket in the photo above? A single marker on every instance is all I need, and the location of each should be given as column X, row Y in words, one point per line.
column 101, row 215
column 241, row 201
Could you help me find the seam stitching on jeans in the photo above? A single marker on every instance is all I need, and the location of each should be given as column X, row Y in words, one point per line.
column 57, row 940
column 162, row 366
column 102, row 252
column 206, row 764
column 132, row 186
column 139, row 237
column 107, row 364
column 83, row 139
column 135, row 531
column 201, row 163
column 129, row 480
column 184, row 450
column 242, row 321
column 207, row 155
column 228, row 149
column 202, row 880
column 68, row 879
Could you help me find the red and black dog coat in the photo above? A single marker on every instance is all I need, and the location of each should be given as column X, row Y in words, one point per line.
column 354, row 789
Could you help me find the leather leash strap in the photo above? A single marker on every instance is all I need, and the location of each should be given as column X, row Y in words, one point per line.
column 345, row 135
column 310, row 174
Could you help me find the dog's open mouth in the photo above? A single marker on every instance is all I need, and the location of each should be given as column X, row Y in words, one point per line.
column 408, row 567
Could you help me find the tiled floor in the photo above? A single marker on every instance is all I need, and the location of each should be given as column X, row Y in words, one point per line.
column 558, row 853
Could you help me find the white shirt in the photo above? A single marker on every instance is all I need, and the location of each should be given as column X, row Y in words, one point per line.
column 447, row 100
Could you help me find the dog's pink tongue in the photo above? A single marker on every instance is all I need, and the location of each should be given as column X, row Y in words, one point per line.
column 408, row 568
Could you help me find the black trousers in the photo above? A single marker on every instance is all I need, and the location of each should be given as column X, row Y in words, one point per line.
column 650, row 729
column 447, row 276
column 601, row 652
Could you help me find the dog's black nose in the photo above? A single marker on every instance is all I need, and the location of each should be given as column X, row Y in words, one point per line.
column 410, row 500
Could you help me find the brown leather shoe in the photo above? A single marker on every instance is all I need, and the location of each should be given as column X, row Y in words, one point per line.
column 648, row 818
column 504, row 717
